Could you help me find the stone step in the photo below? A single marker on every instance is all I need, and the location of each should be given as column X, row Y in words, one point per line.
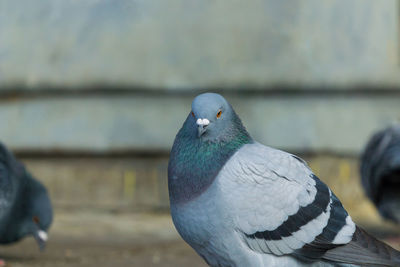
column 133, row 122
column 140, row 184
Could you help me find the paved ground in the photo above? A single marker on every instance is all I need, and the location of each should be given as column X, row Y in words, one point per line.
column 105, row 239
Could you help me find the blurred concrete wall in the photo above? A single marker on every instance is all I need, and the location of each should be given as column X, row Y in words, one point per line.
column 140, row 122
column 183, row 44
column 111, row 82
column 140, row 184
column 103, row 76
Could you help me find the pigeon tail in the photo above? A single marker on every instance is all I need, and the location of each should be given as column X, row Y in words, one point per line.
column 365, row 250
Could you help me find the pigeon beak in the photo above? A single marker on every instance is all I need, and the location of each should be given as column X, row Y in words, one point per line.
column 202, row 126
column 201, row 130
column 41, row 238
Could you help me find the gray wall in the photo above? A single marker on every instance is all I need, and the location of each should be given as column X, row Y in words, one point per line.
column 104, row 76
column 149, row 122
column 180, row 44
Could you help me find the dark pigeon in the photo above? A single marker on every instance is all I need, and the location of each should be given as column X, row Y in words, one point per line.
column 240, row 203
column 380, row 171
column 25, row 208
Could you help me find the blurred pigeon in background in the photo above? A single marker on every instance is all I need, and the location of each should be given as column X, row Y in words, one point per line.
column 25, row 207
column 380, row 171
column 240, row 203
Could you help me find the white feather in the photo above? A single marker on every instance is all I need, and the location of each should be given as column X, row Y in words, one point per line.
column 43, row 235
column 345, row 234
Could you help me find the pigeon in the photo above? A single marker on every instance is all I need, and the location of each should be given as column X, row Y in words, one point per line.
column 25, row 207
column 237, row 202
column 380, row 171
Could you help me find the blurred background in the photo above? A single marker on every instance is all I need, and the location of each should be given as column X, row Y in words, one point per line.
column 93, row 92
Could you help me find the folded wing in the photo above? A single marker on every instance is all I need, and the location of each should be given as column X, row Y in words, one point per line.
column 282, row 208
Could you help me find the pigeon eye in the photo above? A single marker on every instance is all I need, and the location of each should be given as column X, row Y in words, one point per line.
column 192, row 114
column 35, row 219
column 219, row 114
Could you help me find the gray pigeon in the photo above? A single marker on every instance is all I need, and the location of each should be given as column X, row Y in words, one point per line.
column 25, row 207
column 380, row 171
column 240, row 203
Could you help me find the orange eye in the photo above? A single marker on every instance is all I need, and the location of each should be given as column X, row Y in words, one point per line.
column 193, row 114
column 219, row 114
column 35, row 219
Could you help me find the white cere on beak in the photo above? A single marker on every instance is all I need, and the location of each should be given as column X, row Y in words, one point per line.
column 203, row 122
column 43, row 235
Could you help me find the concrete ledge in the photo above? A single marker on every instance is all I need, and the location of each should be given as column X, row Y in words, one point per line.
column 149, row 122
column 132, row 184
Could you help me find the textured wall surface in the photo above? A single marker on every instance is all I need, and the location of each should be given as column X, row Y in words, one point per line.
column 144, row 61
column 103, row 86
column 131, row 183
column 179, row 44
column 149, row 122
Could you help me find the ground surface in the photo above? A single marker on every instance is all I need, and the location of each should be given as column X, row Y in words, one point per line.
column 104, row 239
column 107, row 239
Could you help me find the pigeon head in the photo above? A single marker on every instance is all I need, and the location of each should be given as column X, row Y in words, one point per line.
column 27, row 207
column 38, row 212
column 215, row 119
column 211, row 134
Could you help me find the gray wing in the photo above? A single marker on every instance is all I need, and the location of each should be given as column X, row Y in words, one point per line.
column 282, row 208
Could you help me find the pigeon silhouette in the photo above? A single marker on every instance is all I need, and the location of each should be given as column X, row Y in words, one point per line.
column 25, row 207
column 380, row 171
column 240, row 203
